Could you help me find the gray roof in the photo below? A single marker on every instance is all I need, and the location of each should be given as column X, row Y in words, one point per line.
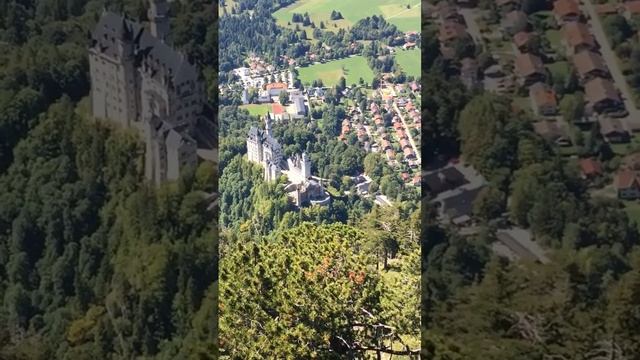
column 298, row 102
column 112, row 27
column 261, row 136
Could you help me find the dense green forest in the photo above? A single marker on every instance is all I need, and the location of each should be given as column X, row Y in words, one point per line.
column 95, row 263
column 583, row 304
column 291, row 281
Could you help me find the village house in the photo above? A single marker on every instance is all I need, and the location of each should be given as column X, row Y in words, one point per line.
column 515, row 22
column 602, row 97
column 590, row 168
column 278, row 112
column 496, row 80
column 631, row 9
column 274, row 89
column 543, row 99
column 553, row 132
column 613, row 131
column 565, row 11
column 408, row 153
column 525, row 41
column 607, row 9
column 444, row 180
column 469, row 73
column 590, row 65
column 416, row 180
column 576, row 38
column 632, row 162
column 529, row 69
column 391, row 155
column 627, row 185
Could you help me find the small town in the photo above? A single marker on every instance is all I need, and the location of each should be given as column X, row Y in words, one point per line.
column 565, row 64
column 387, row 122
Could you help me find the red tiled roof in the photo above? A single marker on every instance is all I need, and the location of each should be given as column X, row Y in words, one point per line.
column 577, row 34
column 527, row 65
column 277, row 85
column 542, row 95
column 590, row 166
column 564, row 8
column 277, row 109
column 626, row 179
column 522, row 38
column 632, row 6
column 605, row 9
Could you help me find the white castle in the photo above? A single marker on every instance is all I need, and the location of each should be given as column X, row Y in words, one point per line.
column 139, row 81
column 299, row 168
column 264, row 149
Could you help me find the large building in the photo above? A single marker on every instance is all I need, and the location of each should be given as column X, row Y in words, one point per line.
column 264, row 149
column 139, row 81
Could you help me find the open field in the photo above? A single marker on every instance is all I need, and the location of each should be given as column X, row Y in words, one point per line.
column 409, row 61
column 228, row 5
column 632, row 208
column 394, row 11
column 257, row 109
column 354, row 68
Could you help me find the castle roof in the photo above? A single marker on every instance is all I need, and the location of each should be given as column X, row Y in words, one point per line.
column 260, row 136
column 112, row 27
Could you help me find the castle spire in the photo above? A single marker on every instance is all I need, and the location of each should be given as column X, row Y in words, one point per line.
column 267, row 125
column 158, row 15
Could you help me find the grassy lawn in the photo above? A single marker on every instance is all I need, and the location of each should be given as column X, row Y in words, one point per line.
column 523, row 103
column 632, row 209
column 352, row 69
column 554, row 37
column 395, row 11
column 568, row 150
column 409, row 61
column 559, row 68
column 624, row 149
column 257, row 109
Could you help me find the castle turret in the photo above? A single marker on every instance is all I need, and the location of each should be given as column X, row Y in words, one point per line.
column 159, row 18
column 306, row 165
column 267, row 125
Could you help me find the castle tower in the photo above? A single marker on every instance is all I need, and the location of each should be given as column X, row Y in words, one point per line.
column 159, row 18
column 306, row 165
column 267, row 126
column 128, row 87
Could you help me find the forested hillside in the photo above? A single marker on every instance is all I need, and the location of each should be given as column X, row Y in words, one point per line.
column 95, row 263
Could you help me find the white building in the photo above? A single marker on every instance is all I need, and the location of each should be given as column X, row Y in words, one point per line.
column 265, row 150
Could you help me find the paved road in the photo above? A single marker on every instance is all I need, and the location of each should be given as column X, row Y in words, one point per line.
column 406, row 129
column 472, row 25
column 403, row 11
column 610, row 57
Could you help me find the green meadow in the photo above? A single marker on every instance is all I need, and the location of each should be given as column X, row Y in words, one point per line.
column 257, row 109
column 352, row 68
column 394, row 11
column 409, row 61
